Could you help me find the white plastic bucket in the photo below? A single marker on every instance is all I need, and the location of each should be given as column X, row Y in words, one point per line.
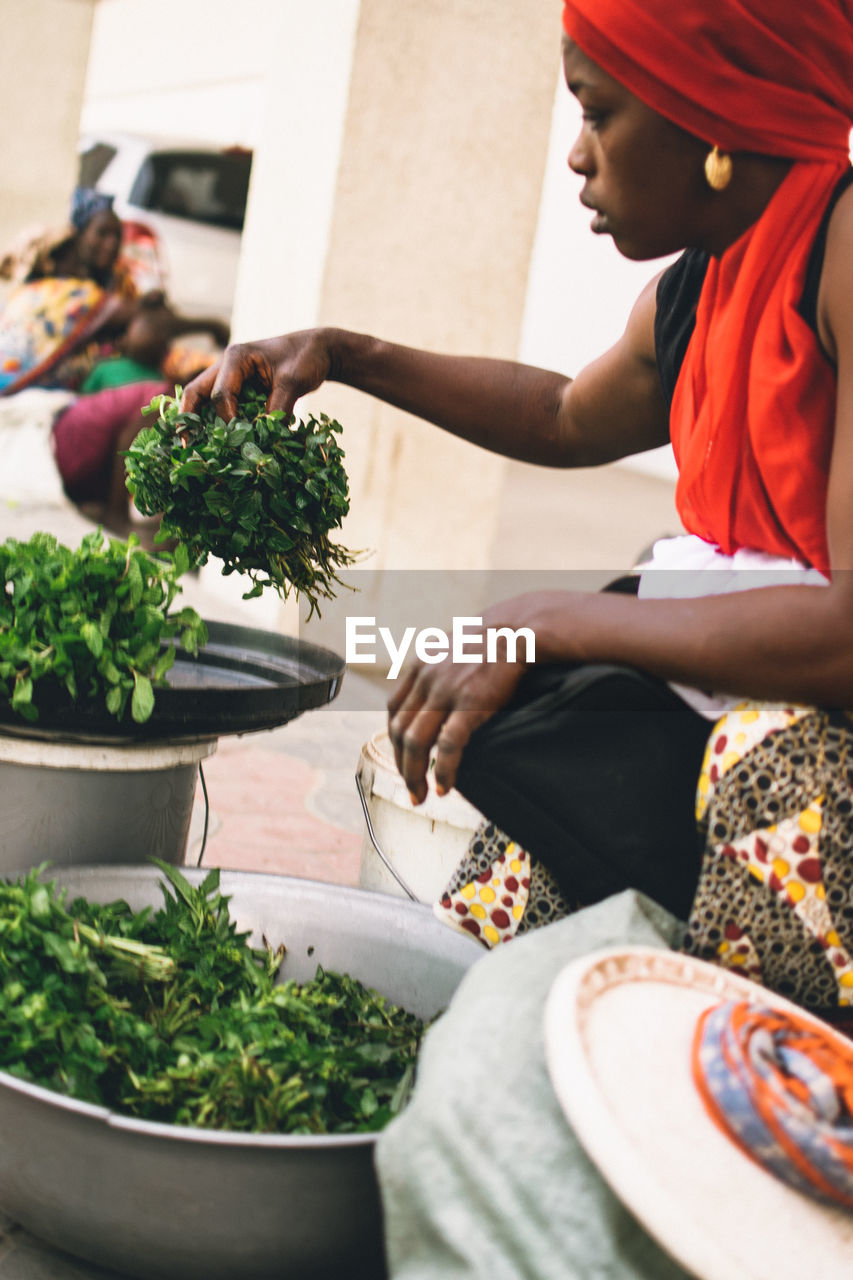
column 69, row 803
column 421, row 845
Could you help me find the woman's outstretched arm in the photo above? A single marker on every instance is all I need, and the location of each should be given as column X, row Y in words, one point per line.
column 782, row 643
column 613, row 408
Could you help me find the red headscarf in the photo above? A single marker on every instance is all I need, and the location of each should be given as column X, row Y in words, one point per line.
column 772, row 76
column 753, row 413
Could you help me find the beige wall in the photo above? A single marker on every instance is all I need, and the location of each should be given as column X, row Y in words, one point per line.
column 43, row 53
column 180, row 68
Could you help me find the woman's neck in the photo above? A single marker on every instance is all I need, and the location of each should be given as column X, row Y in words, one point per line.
column 755, row 181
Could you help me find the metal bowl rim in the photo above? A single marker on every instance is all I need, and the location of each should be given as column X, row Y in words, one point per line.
column 181, row 1133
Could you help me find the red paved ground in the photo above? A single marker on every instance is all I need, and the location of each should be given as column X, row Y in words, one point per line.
column 261, row 818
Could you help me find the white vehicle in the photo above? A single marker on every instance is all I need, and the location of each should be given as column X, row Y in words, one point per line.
column 183, row 206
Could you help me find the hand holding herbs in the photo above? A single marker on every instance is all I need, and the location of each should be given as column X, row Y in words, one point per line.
column 91, row 621
column 261, row 492
column 172, row 1016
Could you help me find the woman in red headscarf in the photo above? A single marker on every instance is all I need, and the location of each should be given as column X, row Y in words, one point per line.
column 722, row 131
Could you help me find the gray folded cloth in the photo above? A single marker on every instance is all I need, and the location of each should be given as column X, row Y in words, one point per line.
column 482, row 1174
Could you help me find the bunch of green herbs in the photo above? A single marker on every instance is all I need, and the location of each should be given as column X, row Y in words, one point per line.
column 172, row 1016
column 261, row 492
column 92, row 621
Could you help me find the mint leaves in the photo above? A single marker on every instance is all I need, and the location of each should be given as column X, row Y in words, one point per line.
column 172, row 1016
column 91, row 620
column 261, row 492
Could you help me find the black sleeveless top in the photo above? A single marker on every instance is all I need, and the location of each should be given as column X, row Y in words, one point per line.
column 680, row 285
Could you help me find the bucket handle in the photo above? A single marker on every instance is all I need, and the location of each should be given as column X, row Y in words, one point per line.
column 372, row 835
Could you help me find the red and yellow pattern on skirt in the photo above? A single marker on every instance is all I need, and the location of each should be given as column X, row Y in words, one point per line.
column 498, row 891
column 775, row 893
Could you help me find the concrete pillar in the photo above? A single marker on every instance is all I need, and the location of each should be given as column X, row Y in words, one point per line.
column 396, row 191
column 307, row 52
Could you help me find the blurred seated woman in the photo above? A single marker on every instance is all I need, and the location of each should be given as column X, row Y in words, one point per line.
column 71, row 294
column 90, row 435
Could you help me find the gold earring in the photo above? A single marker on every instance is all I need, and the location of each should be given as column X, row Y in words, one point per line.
column 718, row 169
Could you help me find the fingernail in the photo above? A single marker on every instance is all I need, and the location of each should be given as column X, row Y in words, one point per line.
column 414, row 799
column 441, row 789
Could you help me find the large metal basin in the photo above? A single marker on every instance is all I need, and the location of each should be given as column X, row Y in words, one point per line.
column 158, row 1201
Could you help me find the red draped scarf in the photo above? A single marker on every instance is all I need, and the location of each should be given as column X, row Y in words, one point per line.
column 754, row 407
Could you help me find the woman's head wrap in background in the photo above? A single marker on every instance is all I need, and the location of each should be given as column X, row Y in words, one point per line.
column 769, row 76
column 86, row 203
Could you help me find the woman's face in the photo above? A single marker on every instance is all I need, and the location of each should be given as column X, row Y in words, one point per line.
column 643, row 175
column 99, row 242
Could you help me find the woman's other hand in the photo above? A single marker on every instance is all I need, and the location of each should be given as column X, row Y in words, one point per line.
column 286, row 368
column 439, row 705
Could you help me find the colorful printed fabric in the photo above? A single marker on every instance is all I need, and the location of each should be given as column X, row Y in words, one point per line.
column 782, row 1090
column 39, row 319
column 498, row 892
column 44, row 318
column 775, row 893
column 185, row 360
